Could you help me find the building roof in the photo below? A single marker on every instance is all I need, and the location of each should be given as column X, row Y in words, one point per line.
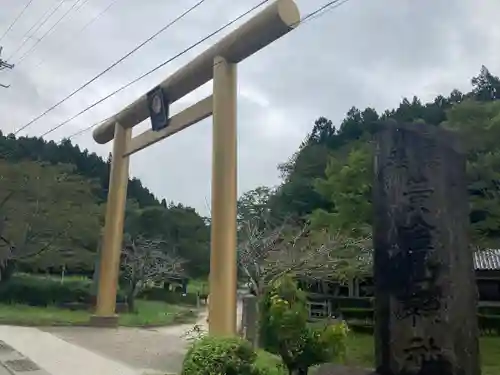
column 487, row 260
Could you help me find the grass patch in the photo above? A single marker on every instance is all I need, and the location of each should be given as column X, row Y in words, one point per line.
column 197, row 286
column 360, row 352
column 149, row 313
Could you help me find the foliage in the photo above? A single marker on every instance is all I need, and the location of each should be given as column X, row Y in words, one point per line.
column 48, row 217
column 145, row 262
column 69, row 186
column 253, row 204
column 346, row 186
column 220, row 355
column 286, row 332
column 46, row 291
column 88, row 165
column 328, row 180
column 180, row 227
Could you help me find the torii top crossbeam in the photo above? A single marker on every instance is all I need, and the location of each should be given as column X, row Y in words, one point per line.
column 267, row 26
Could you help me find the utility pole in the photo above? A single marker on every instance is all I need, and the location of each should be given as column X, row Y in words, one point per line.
column 4, row 65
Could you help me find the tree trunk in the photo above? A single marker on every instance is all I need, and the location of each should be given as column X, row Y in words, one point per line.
column 298, row 371
column 131, row 303
column 132, row 292
column 7, row 269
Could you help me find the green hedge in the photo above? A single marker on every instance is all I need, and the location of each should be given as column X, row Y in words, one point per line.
column 174, row 298
column 489, row 310
column 488, row 324
column 357, row 314
column 354, row 303
column 46, row 291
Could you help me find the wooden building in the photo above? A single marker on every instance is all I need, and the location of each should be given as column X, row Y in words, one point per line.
column 323, row 295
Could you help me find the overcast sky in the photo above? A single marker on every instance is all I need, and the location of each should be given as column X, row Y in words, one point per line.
column 364, row 53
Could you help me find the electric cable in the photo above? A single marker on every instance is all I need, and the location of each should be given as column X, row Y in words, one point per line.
column 33, row 47
column 15, row 20
column 185, row 13
column 309, row 17
column 72, row 37
column 42, row 20
column 154, row 69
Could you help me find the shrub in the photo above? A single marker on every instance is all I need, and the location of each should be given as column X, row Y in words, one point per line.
column 489, row 324
column 46, row 291
column 357, row 314
column 269, row 364
column 216, row 356
column 489, row 310
column 285, row 330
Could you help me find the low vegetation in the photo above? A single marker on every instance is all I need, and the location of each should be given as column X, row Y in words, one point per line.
column 44, row 300
column 149, row 314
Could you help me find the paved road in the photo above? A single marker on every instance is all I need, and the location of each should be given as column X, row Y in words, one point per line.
column 89, row 351
column 145, row 350
column 158, row 350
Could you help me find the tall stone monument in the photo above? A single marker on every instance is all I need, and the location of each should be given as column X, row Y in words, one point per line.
column 424, row 278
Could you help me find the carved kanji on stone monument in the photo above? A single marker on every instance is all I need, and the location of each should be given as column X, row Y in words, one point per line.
column 425, row 298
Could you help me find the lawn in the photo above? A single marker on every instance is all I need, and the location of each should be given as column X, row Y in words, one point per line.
column 360, row 352
column 149, row 313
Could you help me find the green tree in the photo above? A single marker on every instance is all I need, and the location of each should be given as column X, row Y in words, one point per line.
column 478, row 124
column 339, row 194
column 178, row 226
column 347, row 184
column 254, row 204
column 286, row 332
column 50, row 217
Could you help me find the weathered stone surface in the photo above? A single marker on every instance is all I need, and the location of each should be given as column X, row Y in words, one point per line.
column 424, row 279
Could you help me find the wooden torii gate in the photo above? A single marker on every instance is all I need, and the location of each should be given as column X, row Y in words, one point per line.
column 217, row 63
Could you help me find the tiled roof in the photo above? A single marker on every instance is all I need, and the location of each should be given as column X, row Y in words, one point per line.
column 487, row 259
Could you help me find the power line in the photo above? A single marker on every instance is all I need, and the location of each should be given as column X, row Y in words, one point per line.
column 153, row 70
column 322, row 10
column 15, row 20
column 185, row 13
column 72, row 37
column 84, row 27
column 309, row 17
column 42, row 20
column 4, row 65
column 52, row 28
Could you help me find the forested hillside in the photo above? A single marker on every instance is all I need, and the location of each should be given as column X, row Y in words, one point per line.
column 328, row 179
column 88, row 165
column 52, row 204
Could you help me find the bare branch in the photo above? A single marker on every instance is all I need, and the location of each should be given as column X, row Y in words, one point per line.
column 147, row 261
column 267, row 254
